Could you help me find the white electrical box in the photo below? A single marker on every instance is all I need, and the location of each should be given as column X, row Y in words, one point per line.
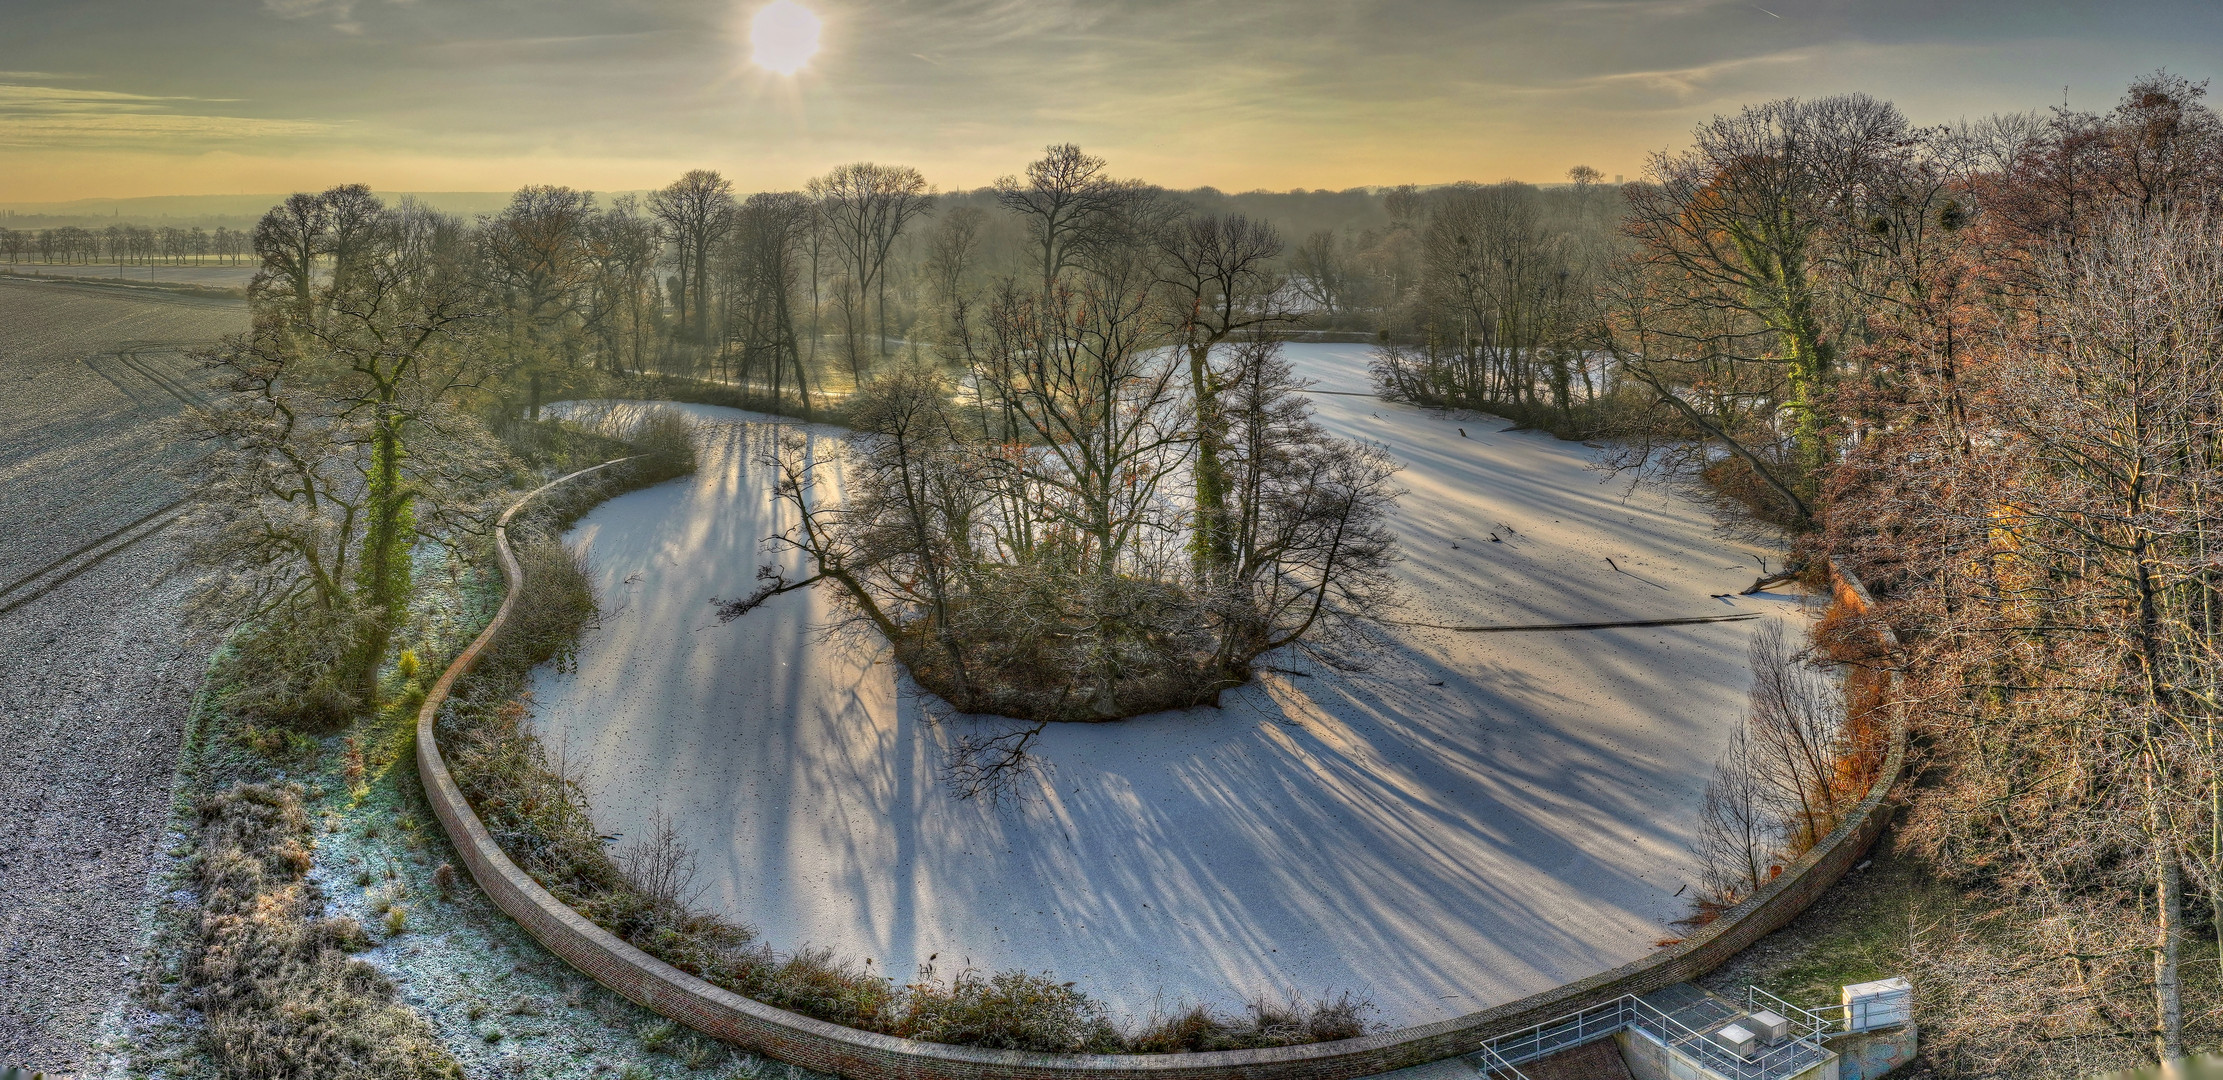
column 1738, row 1040
column 1881, row 1004
column 1768, row 1026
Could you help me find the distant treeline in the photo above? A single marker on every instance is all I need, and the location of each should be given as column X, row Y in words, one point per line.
column 826, row 284
column 120, row 244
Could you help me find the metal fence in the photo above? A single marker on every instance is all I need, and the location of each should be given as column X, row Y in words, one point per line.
column 1800, row 1049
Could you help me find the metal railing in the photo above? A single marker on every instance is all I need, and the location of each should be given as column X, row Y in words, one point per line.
column 1495, row 1067
column 1566, row 1032
column 1805, row 1022
column 1800, row 1049
column 1784, row 1059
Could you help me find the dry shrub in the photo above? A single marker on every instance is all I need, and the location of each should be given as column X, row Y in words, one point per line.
column 279, row 744
column 1008, row 1010
column 1289, row 1021
column 532, row 809
column 818, row 984
column 556, row 446
column 271, row 976
column 296, row 669
column 554, row 607
column 1738, row 491
column 641, row 893
column 661, row 868
column 1032, row 652
column 668, row 440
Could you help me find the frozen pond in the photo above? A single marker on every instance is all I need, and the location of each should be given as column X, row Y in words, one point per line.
column 1482, row 817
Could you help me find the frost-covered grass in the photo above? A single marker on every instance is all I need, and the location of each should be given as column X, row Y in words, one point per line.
column 350, row 868
column 487, row 995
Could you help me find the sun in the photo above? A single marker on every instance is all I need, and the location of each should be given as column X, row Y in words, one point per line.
column 783, row 37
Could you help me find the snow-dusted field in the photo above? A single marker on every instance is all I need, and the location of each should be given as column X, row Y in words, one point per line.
column 1484, row 816
column 216, row 274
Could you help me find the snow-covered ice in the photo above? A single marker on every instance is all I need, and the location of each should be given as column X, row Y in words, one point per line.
column 1485, row 816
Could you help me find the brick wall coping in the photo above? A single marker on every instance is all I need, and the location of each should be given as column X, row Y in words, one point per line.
column 865, row 1055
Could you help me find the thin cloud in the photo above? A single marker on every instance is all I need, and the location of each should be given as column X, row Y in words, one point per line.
column 33, row 116
column 20, row 98
column 142, row 130
column 1656, row 9
column 341, row 12
column 1688, row 82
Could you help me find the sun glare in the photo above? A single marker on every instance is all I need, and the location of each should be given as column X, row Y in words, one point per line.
column 783, row 37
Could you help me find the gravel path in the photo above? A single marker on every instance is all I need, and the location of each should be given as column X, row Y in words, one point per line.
column 95, row 674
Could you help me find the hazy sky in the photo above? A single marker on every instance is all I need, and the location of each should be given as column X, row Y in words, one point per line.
column 148, row 97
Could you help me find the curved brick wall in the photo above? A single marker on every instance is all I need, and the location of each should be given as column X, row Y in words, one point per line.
column 867, row 1056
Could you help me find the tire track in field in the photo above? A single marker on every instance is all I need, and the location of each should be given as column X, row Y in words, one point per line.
column 92, row 553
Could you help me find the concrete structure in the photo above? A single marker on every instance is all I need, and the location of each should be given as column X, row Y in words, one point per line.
column 1865, row 1055
column 1881, row 1004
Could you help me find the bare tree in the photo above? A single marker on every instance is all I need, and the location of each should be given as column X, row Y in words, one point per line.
column 2064, row 585
column 1740, row 224
column 866, row 208
column 662, row 867
column 624, row 249
column 1217, row 280
column 289, row 239
column 1737, row 832
column 1502, row 303
column 1694, row 396
column 357, row 219
column 536, row 259
column 768, row 259
column 1320, row 270
column 952, row 254
column 343, row 443
column 1062, row 199
column 1776, row 791
column 1080, row 604
column 696, row 210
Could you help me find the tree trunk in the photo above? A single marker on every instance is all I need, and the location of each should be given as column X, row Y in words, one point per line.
column 2168, row 990
column 383, row 572
column 1212, row 548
